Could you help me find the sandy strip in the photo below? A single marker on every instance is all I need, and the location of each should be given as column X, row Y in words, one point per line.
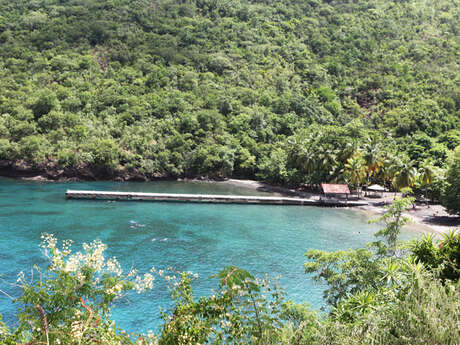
column 426, row 219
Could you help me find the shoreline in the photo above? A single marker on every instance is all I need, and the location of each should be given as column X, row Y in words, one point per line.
column 415, row 224
column 424, row 219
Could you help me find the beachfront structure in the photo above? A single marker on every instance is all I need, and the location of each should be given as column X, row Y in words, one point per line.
column 335, row 190
column 376, row 189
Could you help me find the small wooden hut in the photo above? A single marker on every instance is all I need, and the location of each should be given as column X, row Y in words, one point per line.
column 335, row 190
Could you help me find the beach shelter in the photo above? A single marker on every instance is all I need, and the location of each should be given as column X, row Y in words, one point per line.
column 335, row 190
column 376, row 189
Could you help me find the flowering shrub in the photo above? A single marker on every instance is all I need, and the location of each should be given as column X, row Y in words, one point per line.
column 71, row 300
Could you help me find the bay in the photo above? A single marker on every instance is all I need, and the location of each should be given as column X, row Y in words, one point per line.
column 201, row 238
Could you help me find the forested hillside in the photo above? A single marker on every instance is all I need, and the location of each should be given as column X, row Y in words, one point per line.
column 286, row 91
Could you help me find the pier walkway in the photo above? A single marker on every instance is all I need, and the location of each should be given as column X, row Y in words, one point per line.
column 207, row 198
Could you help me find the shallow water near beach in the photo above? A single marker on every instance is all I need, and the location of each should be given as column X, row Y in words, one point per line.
column 202, row 238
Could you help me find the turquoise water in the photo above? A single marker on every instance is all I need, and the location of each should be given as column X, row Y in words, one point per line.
column 202, row 238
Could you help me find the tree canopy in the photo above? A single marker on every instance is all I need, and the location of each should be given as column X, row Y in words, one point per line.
column 287, row 91
column 451, row 196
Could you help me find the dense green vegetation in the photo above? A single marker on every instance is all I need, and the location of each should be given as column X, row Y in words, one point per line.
column 451, row 193
column 382, row 294
column 286, row 91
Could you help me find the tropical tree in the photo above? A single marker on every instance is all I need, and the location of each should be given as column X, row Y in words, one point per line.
column 316, row 154
column 394, row 221
column 426, row 175
column 355, row 170
column 451, row 194
column 391, row 164
column 350, row 272
column 372, row 155
column 442, row 257
column 405, row 176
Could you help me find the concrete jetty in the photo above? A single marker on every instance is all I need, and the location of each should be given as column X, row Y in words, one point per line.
column 208, row 198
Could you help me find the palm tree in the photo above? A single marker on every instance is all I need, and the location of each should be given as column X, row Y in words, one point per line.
column 355, row 169
column 427, row 174
column 391, row 164
column 328, row 158
column 317, row 159
column 405, row 176
column 372, row 154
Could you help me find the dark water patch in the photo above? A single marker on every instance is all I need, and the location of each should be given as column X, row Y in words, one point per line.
column 42, row 213
column 7, row 205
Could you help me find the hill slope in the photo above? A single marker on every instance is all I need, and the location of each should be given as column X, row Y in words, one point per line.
column 286, row 91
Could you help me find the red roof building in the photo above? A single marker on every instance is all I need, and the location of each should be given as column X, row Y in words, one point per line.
column 335, row 189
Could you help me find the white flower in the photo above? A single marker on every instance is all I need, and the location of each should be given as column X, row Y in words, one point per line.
column 20, row 277
column 114, row 266
column 115, row 290
column 72, row 264
column 77, row 330
column 132, row 273
column 48, row 241
column 145, row 283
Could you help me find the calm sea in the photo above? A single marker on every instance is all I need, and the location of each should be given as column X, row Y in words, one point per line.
column 202, row 238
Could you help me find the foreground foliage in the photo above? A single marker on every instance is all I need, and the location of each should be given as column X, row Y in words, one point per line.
column 350, row 272
column 424, row 312
column 442, row 257
column 70, row 303
column 244, row 310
